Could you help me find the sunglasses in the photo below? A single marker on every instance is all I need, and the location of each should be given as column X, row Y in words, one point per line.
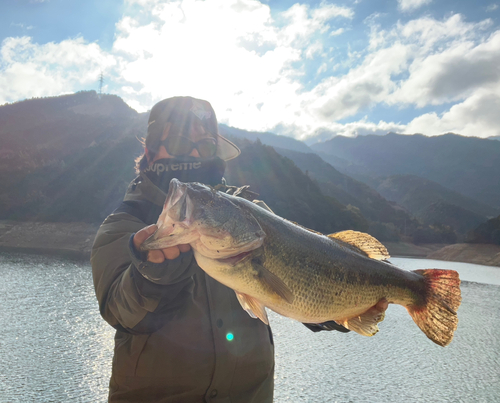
column 178, row 146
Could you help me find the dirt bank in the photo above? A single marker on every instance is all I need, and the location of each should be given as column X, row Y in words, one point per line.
column 63, row 239
column 75, row 240
column 470, row 253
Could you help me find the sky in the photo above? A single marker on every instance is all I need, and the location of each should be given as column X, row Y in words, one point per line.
column 309, row 70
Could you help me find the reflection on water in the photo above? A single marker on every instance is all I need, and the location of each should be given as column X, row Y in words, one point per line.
column 54, row 345
column 56, row 348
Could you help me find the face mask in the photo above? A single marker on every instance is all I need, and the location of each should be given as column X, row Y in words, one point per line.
column 186, row 169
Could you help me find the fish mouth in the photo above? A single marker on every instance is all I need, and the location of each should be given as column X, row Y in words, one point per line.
column 175, row 220
column 175, row 203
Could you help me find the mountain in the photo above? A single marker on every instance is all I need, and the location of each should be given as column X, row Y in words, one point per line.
column 67, row 158
column 71, row 158
column 288, row 191
column 415, row 194
column 43, row 131
column 433, row 203
column 270, row 139
column 467, row 165
column 354, row 194
column 441, row 213
column 487, row 232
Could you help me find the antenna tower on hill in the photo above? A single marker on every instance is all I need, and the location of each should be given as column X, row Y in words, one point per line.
column 101, row 82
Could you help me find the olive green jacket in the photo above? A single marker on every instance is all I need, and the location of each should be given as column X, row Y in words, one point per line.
column 173, row 320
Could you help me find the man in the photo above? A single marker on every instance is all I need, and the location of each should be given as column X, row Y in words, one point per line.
column 180, row 335
column 172, row 321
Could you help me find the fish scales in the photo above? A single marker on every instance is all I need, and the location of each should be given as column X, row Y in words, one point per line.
column 317, row 270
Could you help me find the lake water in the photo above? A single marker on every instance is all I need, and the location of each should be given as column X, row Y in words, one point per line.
column 56, row 348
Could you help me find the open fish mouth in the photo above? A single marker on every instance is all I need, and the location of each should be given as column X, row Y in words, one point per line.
column 175, row 220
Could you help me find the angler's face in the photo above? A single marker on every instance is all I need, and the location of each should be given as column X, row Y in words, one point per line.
column 196, row 132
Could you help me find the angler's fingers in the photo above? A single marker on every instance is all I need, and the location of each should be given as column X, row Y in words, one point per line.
column 143, row 234
column 171, row 253
column 174, row 251
column 156, row 256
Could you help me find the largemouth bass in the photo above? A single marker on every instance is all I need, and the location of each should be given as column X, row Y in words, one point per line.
column 312, row 278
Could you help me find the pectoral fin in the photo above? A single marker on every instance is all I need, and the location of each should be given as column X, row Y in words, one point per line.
column 273, row 282
column 253, row 307
column 364, row 324
column 362, row 243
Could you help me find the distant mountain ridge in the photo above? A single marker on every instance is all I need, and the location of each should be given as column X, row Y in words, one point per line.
column 71, row 158
column 467, row 165
column 350, row 191
column 270, row 139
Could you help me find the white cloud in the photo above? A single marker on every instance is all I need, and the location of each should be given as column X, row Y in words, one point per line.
column 337, row 32
column 353, row 129
column 231, row 52
column 441, row 74
column 255, row 66
column 328, row 11
column 411, row 5
column 33, row 70
column 477, row 116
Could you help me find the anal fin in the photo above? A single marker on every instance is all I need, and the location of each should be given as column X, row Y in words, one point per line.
column 364, row 324
column 253, row 307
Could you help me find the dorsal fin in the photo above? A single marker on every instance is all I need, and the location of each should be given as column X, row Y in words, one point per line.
column 362, row 243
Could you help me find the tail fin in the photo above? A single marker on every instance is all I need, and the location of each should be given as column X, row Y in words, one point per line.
column 438, row 317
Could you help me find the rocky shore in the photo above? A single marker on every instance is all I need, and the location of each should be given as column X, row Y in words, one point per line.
column 75, row 240
column 485, row 254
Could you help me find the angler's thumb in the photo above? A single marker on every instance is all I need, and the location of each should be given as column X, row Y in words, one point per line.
column 144, row 234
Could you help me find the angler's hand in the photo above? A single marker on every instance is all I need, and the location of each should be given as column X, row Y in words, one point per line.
column 158, row 255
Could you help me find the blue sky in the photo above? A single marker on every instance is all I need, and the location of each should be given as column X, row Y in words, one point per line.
column 309, row 70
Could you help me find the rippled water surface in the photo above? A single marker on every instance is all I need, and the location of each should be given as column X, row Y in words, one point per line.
column 56, row 348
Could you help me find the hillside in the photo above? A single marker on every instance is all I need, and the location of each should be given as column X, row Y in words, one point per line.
column 43, row 131
column 467, row 165
column 487, row 232
column 71, row 158
column 351, row 192
column 288, row 191
column 433, row 203
column 416, row 194
column 67, row 158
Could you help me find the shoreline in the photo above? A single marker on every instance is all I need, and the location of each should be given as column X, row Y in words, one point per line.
column 71, row 240
column 74, row 240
